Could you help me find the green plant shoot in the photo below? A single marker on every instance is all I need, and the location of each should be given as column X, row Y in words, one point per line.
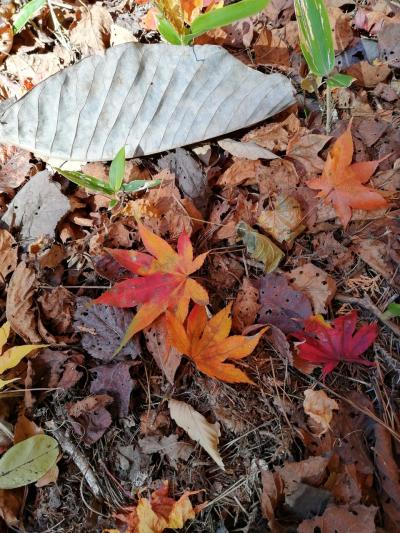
column 27, row 13
column 115, row 183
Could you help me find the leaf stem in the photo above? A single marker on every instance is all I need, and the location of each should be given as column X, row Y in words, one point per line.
column 328, row 108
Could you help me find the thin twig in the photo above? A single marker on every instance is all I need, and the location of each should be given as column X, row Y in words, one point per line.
column 366, row 303
column 328, row 109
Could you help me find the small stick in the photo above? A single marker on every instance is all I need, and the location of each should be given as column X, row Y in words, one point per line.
column 79, row 459
column 366, row 303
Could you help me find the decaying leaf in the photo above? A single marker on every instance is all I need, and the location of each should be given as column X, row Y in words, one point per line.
column 320, row 407
column 8, row 254
column 284, row 221
column 169, row 446
column 246, row 150
column 259, row 247
column 208, row 345
column 14, row 167
column 92, row 32
column 342, row 519
column 198, row 428
column 342, row 183
column 115, row 381
column 164, row 282
column 319, row 286
column 166, row 356
column 327, row 344
column 161, row 119
column 89, row 417
column 158, row 513
column 246, row 306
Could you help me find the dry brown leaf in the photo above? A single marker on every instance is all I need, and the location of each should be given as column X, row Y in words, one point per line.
column 14, row 167
column 8, row 254
column 6, row 38
column 281, row 177
column 284, row 221
column 198, row 428
column 342, row 519
column 92, row 32
column 319, row 286
column 369, row 75
column 304, row 149
column 243, row 172
column 274, row 137
column 375, row 253
column 341, row 27
column 19, row 306
column 319, row 406
column 271, row 49
column 389, row 42
column 38, row 67
column 246, row 306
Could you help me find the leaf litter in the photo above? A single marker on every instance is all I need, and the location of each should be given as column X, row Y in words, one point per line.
column 282, row 226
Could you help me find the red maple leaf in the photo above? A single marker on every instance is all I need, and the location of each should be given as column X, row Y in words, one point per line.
column 327, row 344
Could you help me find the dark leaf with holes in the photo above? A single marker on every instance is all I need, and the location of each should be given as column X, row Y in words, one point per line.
column 90, row 418
column 102, row 328
column 114, row 380
column 281, row 305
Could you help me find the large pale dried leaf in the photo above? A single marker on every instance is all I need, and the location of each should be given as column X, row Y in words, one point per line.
column 8, row 254
column 259, row 247
column 246, row 150
column 284, row 221
column 38, row 207
column 102, row 328
column 92, row 32
column 19, row 306
column 150, row 98
column 198, row 428
column 319, row 286
column 14, row 167
column 320, row 407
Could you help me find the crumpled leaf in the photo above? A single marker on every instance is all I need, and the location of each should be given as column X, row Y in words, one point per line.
column 114, row 380
column 304, row 149
column 27, row 461
column 159, row 513
column 342, row 519
column 342, row 183
column 90, row 418
column 198, row 428
column 281, row 305
column 8, row 254
column 259, row 247
column 166, row 356
column 164, row 281
column 170, row 446
column 319, row 407
column 208, row 345
column 327, row 344
column 150, row 98
column 38, row 207
column 319, row 286
column 284, row 221
column 91, row 34
column 246, row 306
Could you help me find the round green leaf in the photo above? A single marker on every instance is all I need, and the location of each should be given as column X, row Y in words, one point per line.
column 27, row 461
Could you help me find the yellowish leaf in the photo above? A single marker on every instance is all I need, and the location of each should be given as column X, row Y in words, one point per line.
column 319, row 407
column 259, row 247
column 283, row 222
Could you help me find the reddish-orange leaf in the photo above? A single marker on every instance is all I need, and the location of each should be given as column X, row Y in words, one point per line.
column 208, row 345
column 158, row 513
column 342, row 183
column 163, row 281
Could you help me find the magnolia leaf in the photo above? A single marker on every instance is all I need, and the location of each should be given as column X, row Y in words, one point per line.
column 197, row 427
column 283, row 222
column 27, row 461
column 148, row 98
column 259, row 247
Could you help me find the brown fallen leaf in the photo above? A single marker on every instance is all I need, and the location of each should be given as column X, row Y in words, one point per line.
column 243, row 172
column 375, row 253
column 20, row 309
column 115, row 381
column 91, row 34
column 6, row 38
column 245, row 307
column 271, row 49
column 276, row 136
column 389, row 42
column 56, row 310
column 246, row 150
column 284, row 221
column 319, row 407
column 304, row 149
column 8, row 255
column 319, row 286
column 90, row 418
column 341, row 26
column 169, row 446
column 342, row 519
column 14, row 167
column 368, row 75
column 281, row 178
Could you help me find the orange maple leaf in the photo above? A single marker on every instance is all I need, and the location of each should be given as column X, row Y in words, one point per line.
column 159, row 513
column 164, row 281
column 208, row 345
column 342, row 182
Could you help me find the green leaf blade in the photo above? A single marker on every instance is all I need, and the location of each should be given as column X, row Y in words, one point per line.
column 140, row 185
column 27, row 13
column 117, row 170
column 86, row 181
column 337, row 81
column 28, row 461
column 316, row 40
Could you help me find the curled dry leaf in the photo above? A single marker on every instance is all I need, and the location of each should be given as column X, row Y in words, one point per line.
column 320, row 407
column 92, row 33
column 284, row 221
column 8, row 255
column 319, row 286
column 159, row 513
column 198, row 428
column 259, row 247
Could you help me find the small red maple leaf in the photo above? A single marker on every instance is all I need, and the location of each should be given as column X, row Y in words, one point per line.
column 327, row 345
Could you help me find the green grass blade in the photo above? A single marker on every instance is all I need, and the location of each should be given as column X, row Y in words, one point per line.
column 140, row 185
column 168, row 31
column 336, row 81
column 86, row 181
column 117, row 170
column 316, row 40
column 226, row 15
column 27, row 12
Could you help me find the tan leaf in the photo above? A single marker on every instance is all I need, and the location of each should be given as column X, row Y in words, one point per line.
column 319, row 407
column 283, row 222
column 198, row 428
column 246, row 306
column 6, row 38
column 375, row 253
column 19, row 306
column 92, row 32
column 14, row 167
column 369, row 75
column 271, row 49
column 315, row 283
column 341, row 519
column 8, row 254
column 305, row 148
column 341, row 27
column 242, row 172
